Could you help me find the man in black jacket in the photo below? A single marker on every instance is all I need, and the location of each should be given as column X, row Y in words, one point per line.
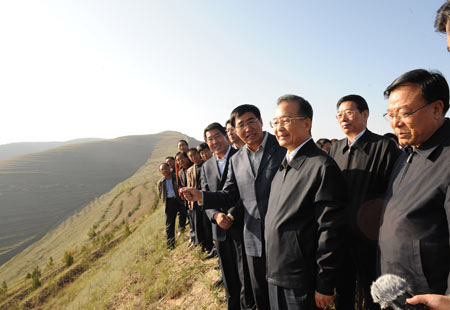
column 366, row 160
column 414, row 233
column 305, row 216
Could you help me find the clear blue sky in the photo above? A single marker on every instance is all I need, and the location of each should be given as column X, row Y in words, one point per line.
column 73, row 69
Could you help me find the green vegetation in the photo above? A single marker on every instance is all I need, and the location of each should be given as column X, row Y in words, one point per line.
column 68, row 259
column 115, row 261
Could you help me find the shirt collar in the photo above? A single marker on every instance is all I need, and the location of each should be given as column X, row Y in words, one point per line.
column 226, row 154
column 357, row 137
column 291, row 155
column 427, row 148
column 262, row 146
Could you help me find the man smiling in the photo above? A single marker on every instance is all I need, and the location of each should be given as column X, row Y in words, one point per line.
column 305, row 215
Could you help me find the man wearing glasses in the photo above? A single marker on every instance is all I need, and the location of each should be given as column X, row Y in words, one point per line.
column 249, row 179
column 414, row 233
column 305, row 217
column 366, row 160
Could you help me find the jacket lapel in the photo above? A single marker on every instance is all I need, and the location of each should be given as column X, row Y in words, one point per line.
column 268, row 152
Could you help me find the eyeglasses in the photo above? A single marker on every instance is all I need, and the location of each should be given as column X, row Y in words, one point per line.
column 389, row 116
column 348, row 113
column 250, row 122
column 283, row 121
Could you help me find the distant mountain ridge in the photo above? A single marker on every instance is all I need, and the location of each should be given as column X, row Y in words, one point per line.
column 11, row 150
column 40, row 190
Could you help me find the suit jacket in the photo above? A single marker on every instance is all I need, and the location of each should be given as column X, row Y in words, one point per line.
column 304, row 222
column 212, row 181
column 162, row 191
column 193, row 180
column 367, row 167
column 252, row 189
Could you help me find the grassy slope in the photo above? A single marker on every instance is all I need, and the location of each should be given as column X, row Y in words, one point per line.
column 38, row 191
column 137, row 273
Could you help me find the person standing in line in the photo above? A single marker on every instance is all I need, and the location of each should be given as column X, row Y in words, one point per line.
column 306, row 214
column 182, row 164
column 234, row 139
column 168, row 192
column 249, row 179
column 204, row 151
column 227, row 229
column 366, row 160
column 414, row 234
column 171, row 162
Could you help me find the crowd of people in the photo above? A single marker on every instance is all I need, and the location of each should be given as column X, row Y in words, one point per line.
column 298, row 224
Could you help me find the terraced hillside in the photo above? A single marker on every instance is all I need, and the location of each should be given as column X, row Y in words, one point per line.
column 38, row 191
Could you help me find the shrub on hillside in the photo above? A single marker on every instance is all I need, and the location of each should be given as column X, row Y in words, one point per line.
column 68, row 259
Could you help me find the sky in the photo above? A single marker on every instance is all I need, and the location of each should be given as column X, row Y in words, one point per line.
column 77, row 69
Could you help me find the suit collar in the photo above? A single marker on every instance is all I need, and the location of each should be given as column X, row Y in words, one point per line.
column 359, row 144
column 428, row 147
column 269, row 149
column 300, row 157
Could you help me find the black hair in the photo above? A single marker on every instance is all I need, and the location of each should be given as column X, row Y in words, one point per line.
column 241, row 110
column 163, row 164
column 360, row 102
column 321, row 142
column 182, row 140
column 228, row 122
column 182, row 153
column 214, row 126
column 193, row 149
column 432, row 85
column 202, row 146
column 304, row 108
column 442, row 17
column 170, row 157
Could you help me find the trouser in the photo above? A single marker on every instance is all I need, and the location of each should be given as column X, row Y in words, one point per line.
column 290, row 298
column 257, row 270
column 231, row 260
column 203, row 229
column 172, row 206
column 192, row 224
column 182, row 215
column 359, row 264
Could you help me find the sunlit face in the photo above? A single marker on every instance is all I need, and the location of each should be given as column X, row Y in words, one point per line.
column 447, row 29
column 171, row 163
column 249, row 129
column 418, row 127
column 231, row 133
column 217, row 142
column 182, row 147
column 182, row 161
column 165, row 170
column 205, row 154
column 352, row 124
column 296, row 132
column 195, row 157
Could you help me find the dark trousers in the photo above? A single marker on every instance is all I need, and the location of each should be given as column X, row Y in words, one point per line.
column 203, row 229
column 231, row 260
column 192, row 223
column 358, row 271
column 171, row 210
column 257, row 270
column 182, row 215
column 290, row 298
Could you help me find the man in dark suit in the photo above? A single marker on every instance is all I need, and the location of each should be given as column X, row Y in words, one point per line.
column 168, row 192
column 305, row 216
column 249, row 179
column 183, row 163
column 226, row 231
column 366, row 160
column 201, row 223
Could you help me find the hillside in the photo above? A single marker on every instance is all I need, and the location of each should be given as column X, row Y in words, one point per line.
column 124, row 265
column 40, row 190
column 11, row 150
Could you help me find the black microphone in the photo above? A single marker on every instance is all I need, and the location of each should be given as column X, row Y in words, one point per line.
column 392, row 291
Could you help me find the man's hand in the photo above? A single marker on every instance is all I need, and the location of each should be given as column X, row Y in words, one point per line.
column 322, row 301
column 223, row 220
column 434, row 302
column 191, row 193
